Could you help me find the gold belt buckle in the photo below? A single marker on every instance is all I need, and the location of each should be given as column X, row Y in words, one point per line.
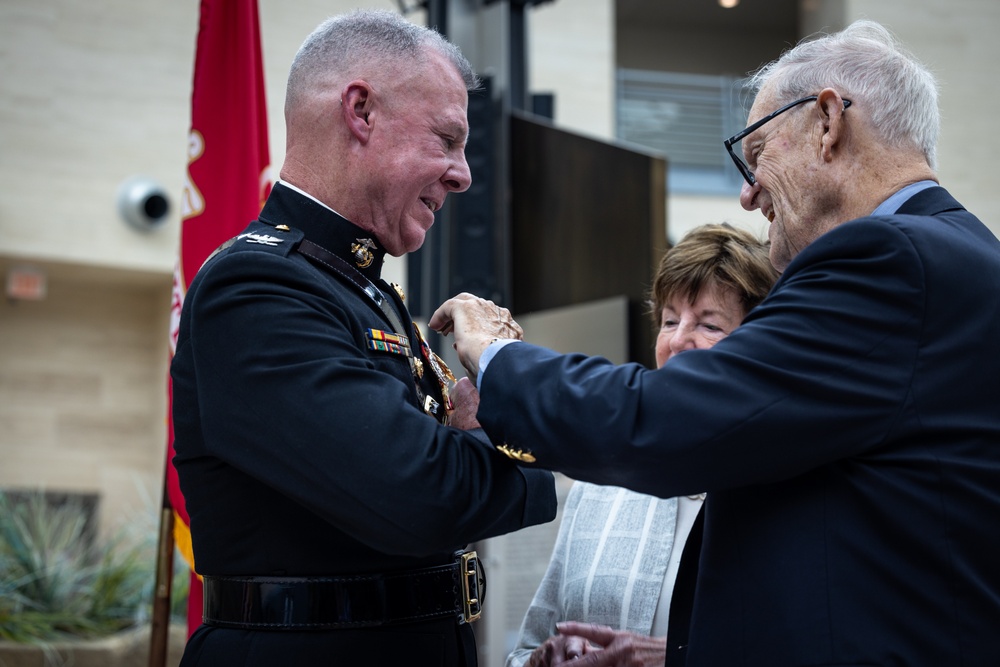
column 473, row 586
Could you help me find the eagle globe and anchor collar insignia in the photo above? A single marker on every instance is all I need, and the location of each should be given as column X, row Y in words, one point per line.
column 362, row 252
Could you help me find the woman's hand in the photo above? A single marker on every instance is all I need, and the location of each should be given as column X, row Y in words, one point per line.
column 558, row 650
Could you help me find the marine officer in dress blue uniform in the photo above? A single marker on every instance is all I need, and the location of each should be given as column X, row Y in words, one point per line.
column 331, row 494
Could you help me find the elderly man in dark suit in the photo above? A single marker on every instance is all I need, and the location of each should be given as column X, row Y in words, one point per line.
column 331, row 492
column 848, row 433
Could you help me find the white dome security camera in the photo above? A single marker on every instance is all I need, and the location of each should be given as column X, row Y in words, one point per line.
column 143, row 203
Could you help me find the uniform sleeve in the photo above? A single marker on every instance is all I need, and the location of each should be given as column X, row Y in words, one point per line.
column 820, row 371
column 296, row 403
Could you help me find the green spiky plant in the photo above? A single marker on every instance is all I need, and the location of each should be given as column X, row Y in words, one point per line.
column 56, row 585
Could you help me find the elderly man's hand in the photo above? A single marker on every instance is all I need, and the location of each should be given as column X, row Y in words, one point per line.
column 475, row 323
column 618, row 648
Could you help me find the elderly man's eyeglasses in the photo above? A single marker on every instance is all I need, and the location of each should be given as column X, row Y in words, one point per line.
column 740, row 164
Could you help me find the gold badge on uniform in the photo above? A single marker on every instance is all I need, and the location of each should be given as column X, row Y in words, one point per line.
column 516, row 454
column 362, row 251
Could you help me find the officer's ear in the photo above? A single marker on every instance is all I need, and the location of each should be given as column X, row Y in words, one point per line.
column 355, row 106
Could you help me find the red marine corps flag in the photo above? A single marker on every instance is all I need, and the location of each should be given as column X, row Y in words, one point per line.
column 228, row 179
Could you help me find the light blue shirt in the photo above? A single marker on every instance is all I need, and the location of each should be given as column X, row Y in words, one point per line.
column 489, row 353
column 892, row 204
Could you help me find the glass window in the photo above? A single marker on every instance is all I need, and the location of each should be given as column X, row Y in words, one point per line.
column 685, row 117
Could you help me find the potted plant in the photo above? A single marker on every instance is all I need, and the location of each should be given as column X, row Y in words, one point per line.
column 68, row 596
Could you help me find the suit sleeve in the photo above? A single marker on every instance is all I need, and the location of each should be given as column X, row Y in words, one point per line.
column 298, row 406
column 818, row 372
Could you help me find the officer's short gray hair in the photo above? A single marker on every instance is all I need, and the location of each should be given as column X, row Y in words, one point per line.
column 345, row 43
column 866, row 64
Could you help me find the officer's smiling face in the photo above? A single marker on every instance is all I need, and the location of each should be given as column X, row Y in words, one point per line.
column 419, row 153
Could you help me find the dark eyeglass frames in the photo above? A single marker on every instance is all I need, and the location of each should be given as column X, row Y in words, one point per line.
column 740, row 164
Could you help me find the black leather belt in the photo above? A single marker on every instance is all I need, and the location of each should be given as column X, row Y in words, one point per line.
column 352, row 601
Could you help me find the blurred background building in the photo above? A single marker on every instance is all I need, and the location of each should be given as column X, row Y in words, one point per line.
column 95, row 95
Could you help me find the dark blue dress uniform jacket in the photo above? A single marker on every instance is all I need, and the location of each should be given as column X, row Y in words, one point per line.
column 848, row 435
column 301, row 452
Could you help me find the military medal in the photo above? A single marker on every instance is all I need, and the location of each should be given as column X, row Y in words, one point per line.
column 362, row 253
column 445, row 378
column 444, row 375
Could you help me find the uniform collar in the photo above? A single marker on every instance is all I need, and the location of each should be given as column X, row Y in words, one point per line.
column 290, row 206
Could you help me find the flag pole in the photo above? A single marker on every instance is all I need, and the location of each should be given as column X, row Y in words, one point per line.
column 159, row 638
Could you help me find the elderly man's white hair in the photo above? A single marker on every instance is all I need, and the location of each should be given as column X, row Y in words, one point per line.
column 866, row 64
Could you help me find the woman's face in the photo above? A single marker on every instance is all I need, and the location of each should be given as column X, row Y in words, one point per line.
column 699, row 325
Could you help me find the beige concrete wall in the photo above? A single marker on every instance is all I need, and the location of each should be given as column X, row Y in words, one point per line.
column 571, row 52
column 669, row 48
column 685, row 212
column 92, row 93
column 83, row 389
